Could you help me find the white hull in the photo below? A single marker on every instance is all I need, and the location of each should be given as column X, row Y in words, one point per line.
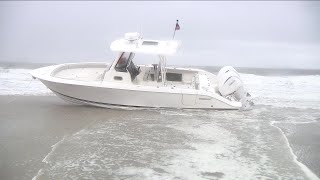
column 110, row 94
column 122, row 83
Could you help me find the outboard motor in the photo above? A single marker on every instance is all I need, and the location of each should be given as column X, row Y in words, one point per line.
column 231, row 86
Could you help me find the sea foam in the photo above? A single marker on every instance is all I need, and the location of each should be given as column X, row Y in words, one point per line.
column 284, row 91
column 20, row 82
column 279, row 91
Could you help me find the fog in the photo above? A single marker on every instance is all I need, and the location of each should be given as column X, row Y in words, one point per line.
column 243, row 34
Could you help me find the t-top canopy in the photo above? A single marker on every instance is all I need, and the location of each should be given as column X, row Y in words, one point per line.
column 134, row 43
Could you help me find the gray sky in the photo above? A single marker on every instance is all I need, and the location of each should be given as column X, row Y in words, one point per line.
column 248, row 33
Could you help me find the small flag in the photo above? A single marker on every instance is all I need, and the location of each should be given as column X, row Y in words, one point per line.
column 175, row 29
column 177, row 25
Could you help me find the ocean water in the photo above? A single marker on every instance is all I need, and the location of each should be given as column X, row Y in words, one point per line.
column 277, row 139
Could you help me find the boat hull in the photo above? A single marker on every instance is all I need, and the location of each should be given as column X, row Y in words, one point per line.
column 109, row 97
column 105, row 94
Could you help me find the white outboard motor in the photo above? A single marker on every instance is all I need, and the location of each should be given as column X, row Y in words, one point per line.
column 228, row 80
column 231, row 86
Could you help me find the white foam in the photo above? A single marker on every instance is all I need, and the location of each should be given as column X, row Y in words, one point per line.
column 20, row 82
column 54, row 147
column 216, row 152
column 210, row 149
column 304, row 168
column 40, row 173
column 174, row 113
column 279, row 91
column 284, row 91
column 142, row 173
column 46, row 158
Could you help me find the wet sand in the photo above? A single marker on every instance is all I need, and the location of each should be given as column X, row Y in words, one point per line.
column 304, row 141
column 30, row 125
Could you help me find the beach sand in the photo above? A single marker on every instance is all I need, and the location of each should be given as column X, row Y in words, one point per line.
column 30, row 125
column 304, row 140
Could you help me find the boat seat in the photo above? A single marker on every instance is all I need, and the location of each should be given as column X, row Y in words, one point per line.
column 149, row 75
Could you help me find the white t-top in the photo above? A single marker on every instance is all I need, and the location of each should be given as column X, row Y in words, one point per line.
column 140, row 45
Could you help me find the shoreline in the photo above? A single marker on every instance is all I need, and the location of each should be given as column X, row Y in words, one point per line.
column 303, row 166
column 45, row 159
column 30, row 125
column 36, row 125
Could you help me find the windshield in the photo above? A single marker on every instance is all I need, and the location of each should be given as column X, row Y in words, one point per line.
column 123, row 61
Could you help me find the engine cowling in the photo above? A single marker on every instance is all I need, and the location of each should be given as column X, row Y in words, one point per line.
column 228, row 80
column 231, row 85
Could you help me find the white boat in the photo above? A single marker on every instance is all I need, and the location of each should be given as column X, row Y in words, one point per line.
column 122, row 83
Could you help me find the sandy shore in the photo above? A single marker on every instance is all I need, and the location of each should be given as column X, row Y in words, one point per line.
column 304, row 141
column 29, row 126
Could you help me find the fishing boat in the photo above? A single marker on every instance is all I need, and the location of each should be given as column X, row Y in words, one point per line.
column 122, row 83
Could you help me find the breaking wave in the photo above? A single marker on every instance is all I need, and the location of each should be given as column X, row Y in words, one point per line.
column 278, row 91
column 20, row 82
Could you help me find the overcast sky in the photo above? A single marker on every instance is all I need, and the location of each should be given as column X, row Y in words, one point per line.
column 247, row 34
